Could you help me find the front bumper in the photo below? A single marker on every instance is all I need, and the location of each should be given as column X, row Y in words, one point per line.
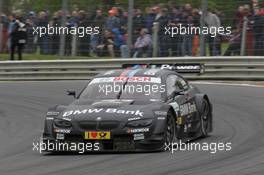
column 123, row 138
column 118, row 142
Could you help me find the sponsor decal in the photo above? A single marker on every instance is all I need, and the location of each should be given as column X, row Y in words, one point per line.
column 52, row 113
column 187, row 108
column 188, row 67
column 166, row 66
column 97, row 135
column 160, row 112
column 112, row 110
column 84, row 111
column 66, row 131
column 139, row 136
column 181, row 68
column 151, row 72
column 108, row 110
column 179, row 120
column 161, row 118
column 124, row 79
column 135, row 118
column 49, row 118
column 138, row 130
column 59, row 136
column 137, row 79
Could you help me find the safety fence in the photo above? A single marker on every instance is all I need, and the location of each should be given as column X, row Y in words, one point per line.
column 215, row 68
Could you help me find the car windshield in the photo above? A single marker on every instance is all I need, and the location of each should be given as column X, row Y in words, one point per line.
column 146, row 88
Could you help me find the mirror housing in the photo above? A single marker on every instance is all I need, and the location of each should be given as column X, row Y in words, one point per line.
column 71, row 93
column 181, row 92
column 174, row 94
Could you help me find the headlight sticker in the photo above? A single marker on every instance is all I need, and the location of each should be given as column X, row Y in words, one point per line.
column 138, row 130
column 139, row 136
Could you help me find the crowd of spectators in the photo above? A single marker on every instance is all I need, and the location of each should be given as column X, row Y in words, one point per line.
column 112, row 40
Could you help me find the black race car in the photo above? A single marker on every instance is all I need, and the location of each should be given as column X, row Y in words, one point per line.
column 139, row 109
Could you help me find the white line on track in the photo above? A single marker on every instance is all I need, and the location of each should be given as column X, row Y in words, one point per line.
column 227, row 84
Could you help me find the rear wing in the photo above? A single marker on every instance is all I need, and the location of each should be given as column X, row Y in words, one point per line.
column 180, row 68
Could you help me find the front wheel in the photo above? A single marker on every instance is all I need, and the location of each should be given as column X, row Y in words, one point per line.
column 170, row 130
column 205, row 118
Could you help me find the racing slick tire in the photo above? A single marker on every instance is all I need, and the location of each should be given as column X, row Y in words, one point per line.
column 205, row 118
column 170, row 133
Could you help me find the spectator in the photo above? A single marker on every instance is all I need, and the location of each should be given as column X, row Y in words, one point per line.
column 187, row 38
column 68, row 37
column 258, row 31
column 175, row 42
column 196, row 23
column 54, row 40
column 138, row 21
column 212, row 20
column 84, row 42
column 43, row 41
column 98, row 21
column 4, row 22
column 18, row 37
column 123, row 19
column 12, row 21
column 162, row 18
column 124, row 47
column 31, row 39
column 150, row 19
column 118, row 40
column 249, row 38
column 106, row 46
column 112, row 21
column 142, row 44
column 234, row 43
column 238, row 20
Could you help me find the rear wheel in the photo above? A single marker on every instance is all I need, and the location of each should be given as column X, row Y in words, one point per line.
column 205, row 118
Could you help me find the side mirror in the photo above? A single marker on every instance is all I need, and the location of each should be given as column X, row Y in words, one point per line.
column 181, row 92
column 174, row 94
column 71, row 93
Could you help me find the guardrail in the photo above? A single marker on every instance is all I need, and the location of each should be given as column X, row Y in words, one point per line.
column 216, row 68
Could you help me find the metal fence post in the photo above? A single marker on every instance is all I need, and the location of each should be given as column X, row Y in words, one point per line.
column 244, row 36
column 155, row 38
column 74, row 44
column 202, row 24
column 130, row 25
column 63, row 22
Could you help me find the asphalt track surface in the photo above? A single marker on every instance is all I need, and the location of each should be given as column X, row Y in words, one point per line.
column 238, row 118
